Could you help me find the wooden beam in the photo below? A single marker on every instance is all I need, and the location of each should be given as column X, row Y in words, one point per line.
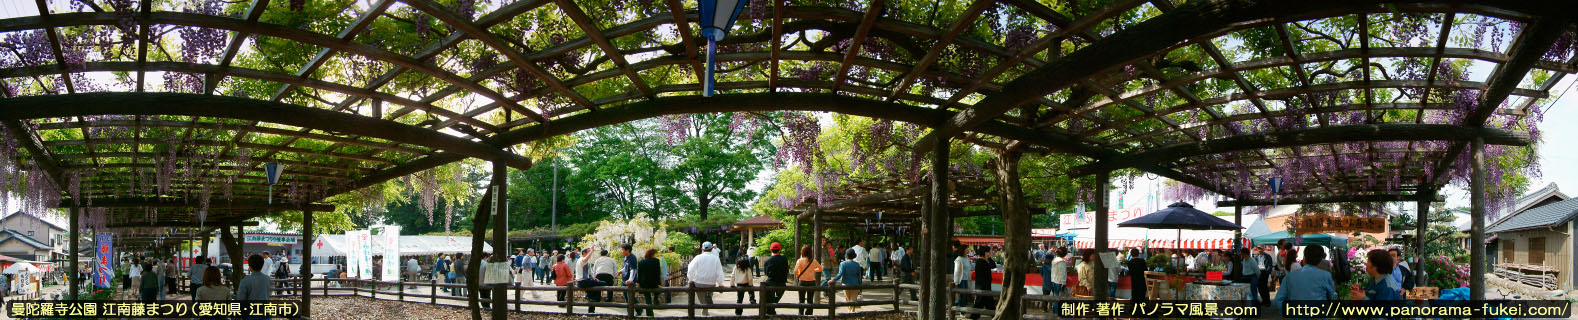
column 249, row 109
column 1189, row 21
column 1292, row 138
column 966, row 20
column 1328, row 199
column 34, row 147
column 184, row 203
column 575, row 13
column 180, row 224
column 501, row 46
column 1532, row 44
column 873, row 10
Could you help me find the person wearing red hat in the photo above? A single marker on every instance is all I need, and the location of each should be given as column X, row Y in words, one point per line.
column 777, row 276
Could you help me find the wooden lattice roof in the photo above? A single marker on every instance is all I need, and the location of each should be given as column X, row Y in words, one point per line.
column 383, row 89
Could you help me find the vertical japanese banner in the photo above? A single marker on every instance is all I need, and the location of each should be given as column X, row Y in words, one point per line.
column 365, row 254
column 352, row 247
column 102, row 270
column 391, row 253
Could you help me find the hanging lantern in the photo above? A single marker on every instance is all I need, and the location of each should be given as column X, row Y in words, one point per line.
column 272, row 170
column 1276, row 189
column 717, row 16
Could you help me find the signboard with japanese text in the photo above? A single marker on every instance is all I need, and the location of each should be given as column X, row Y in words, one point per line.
column 103, row 269
column 272, row 239
column 1070, row 221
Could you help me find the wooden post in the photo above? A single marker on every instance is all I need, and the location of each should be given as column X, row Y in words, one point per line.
column 690, row 296
column 518, row 298
column 432, row 290
column 1100, row 285
column 832, row 302
column 937, row 230
column 501, row 246
column 71, row 236
column 896, row 298
column 1421, row 227
column 569, row 298
column 306, row 263
column 400, row 288
column 1476, row 268
column 761, row 304
column 1238, row 241
column 630, row 301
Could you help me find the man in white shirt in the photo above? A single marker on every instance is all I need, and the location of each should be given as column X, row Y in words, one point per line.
column 860, row 255
column 705, row 271
column 876, row 257
column 268, row 264
column 897, row 256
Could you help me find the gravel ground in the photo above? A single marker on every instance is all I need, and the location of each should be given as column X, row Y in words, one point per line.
column 349, row 308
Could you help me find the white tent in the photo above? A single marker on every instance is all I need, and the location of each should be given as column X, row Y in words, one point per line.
column 334, row 245
column 1118, row 237
column 20, row 267
column 1257, row 227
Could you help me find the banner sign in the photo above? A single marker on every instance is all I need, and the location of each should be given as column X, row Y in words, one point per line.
column 1043, row 233
column 272, row 239
column 391, row 269
column 1069, row 221
column 103, row 270
column 364, row 255
column 1313, row 224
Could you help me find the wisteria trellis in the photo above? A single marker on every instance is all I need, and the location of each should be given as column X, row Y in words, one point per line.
column 419, row 67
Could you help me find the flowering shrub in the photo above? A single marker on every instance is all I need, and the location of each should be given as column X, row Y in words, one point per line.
column 639, row 232
column 1446, row 274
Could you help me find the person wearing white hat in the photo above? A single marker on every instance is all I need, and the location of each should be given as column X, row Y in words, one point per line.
column 705, row 271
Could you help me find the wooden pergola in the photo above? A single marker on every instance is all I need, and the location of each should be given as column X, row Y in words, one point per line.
column 1156, row 86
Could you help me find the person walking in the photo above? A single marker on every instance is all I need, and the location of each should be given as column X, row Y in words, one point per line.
column 1136, row 265
column 518, row 266
column 983, row 281
column 561, row 275
column 849, row 274
column 862, row 256
column 875, row 259
column 459, row 266
column 149, row 286
column 962, row 265
column 1266, row 266
column 705, row 272
column 412, row 268
column 649, row 277
column 743, row 279
column 805, row 271
column 484, row 294
column 255, row 287
column 195, row 275
column 213, row 288
column 777, row 276
column 441, row 270
column 171, row 274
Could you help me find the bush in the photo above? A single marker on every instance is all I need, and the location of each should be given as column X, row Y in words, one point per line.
column 684, row 244
column 783, row 237
column 1445, row 274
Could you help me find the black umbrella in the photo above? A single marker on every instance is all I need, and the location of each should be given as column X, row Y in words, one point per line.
column 1180, row 215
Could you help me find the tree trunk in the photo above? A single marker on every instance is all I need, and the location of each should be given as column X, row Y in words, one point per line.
column 233, row 248
column 1016, row 236
column 701, row 207
column 479, row 227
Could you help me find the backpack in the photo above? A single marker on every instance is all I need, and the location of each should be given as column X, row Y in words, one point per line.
column 1408, row 277
column 281, row 269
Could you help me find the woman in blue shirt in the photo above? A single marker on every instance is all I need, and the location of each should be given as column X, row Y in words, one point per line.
column 849, row 272
column 1307, row 284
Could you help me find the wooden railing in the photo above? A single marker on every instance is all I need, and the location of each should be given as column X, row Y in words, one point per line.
column 395, row 291
column 954, row 293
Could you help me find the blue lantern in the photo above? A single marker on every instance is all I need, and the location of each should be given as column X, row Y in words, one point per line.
column 717, row 16
column 272, row 171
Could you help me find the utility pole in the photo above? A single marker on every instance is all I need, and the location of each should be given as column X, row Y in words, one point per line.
column 554, row 203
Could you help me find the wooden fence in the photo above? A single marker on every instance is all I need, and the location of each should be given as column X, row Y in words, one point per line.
column 395, row 291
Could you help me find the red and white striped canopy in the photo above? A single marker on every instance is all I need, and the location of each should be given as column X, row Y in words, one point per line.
column 1165, row 244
